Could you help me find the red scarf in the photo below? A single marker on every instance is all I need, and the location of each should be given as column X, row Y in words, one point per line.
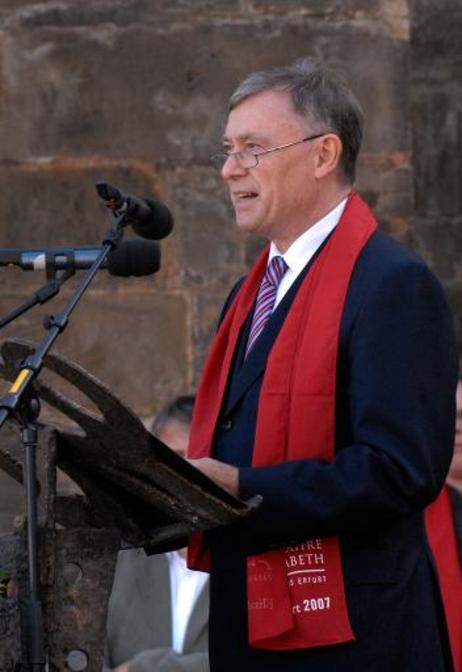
column 289, row 607
column 443, row 542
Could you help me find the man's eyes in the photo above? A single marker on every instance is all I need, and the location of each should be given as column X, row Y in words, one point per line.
column 251, row 147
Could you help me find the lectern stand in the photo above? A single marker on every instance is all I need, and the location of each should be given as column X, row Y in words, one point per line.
column 136, row 492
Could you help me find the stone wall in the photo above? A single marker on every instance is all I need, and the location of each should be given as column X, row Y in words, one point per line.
column 134, row 92
column 436, row 114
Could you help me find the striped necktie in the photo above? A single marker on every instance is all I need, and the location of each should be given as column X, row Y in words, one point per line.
column 265, row 299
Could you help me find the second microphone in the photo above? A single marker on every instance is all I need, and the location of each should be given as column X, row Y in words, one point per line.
column 130, row 258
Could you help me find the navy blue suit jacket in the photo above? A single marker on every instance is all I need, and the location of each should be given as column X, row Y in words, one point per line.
column 395, row 415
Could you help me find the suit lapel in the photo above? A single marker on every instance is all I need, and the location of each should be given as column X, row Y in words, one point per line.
column 246, row 372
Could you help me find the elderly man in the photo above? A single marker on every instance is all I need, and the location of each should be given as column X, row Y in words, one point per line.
column 329, row 390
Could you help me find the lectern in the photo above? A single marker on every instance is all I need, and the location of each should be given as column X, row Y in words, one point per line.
column 135, row 491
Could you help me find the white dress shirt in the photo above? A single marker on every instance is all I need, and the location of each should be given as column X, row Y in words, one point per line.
column 304, row 247
column 185, row 588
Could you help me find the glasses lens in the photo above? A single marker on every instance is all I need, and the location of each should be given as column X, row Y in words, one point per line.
column 248, row 159
column 245, row 159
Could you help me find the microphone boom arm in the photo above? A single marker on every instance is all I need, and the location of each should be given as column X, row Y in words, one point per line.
column 41, row 295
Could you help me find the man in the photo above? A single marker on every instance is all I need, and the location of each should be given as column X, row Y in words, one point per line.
column 335, row 403
column 158, row 610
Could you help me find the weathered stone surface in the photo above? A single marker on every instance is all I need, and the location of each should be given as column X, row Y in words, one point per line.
column 438, row 133
column 208, row 250
column 439, row 241
column 386, row 182
column 135, row 342
column 84, row 84
column 435, row 36
column 205, row 313
column 336, row 9
column 436, row 66
column 54, row 203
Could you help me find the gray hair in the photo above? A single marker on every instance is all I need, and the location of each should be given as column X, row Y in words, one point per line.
column 320, row 97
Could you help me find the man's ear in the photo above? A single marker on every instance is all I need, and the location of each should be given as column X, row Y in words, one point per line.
column 328, row 152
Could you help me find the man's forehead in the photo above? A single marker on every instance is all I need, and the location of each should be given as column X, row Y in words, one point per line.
column 261, row 116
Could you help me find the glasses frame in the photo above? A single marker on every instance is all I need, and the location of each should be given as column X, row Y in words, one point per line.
column 219, row 160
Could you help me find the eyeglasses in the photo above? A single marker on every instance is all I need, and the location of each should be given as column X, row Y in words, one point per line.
column 249, row 158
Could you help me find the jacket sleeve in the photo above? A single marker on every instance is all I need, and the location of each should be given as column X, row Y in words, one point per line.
column 395, row 415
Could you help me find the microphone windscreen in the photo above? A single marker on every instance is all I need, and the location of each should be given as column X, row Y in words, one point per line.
column 109, row 193
column 158, row 224
column 134, row 257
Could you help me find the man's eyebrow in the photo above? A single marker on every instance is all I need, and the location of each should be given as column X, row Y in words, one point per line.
column 245, row 137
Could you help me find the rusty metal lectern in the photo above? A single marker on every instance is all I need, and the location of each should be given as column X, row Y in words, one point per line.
column 135, row 492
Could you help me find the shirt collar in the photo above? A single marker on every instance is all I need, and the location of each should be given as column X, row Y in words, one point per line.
column 303, row 248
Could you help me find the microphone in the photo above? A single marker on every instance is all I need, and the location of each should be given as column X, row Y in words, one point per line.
column 149, row 218
column 131, row 257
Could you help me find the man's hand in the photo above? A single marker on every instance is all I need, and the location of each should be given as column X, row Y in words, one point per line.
column 122, row 668
column 224, row 475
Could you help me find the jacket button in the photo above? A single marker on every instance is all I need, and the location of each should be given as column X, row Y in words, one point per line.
column 227, row 424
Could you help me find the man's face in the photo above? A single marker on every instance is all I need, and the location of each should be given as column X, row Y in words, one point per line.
column 274, row 198
column 455, row 471
column 176, row 435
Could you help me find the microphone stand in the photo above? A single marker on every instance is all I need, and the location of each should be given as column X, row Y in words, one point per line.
column 22, row 403
column 46, row 292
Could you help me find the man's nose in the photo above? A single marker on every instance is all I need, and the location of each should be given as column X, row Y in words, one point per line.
column 233, row 167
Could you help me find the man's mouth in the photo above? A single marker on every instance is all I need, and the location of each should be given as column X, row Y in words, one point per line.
column 242, row 195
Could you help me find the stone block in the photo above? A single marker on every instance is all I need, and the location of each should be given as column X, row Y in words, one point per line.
column 84, row 87
column 385, row 182
column 167, row 82
column 206, row 310
column 194, row 11
column 208, row 248
column 136, row 343
column 55, row 204
column 439, row 241
column 435, row 38
column 438, row 142
column 336, row 9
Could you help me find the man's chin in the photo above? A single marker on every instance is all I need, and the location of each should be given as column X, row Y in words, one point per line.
column 248, row 224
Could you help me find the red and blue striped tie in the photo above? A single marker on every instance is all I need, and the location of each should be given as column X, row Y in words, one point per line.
column 265, row 299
